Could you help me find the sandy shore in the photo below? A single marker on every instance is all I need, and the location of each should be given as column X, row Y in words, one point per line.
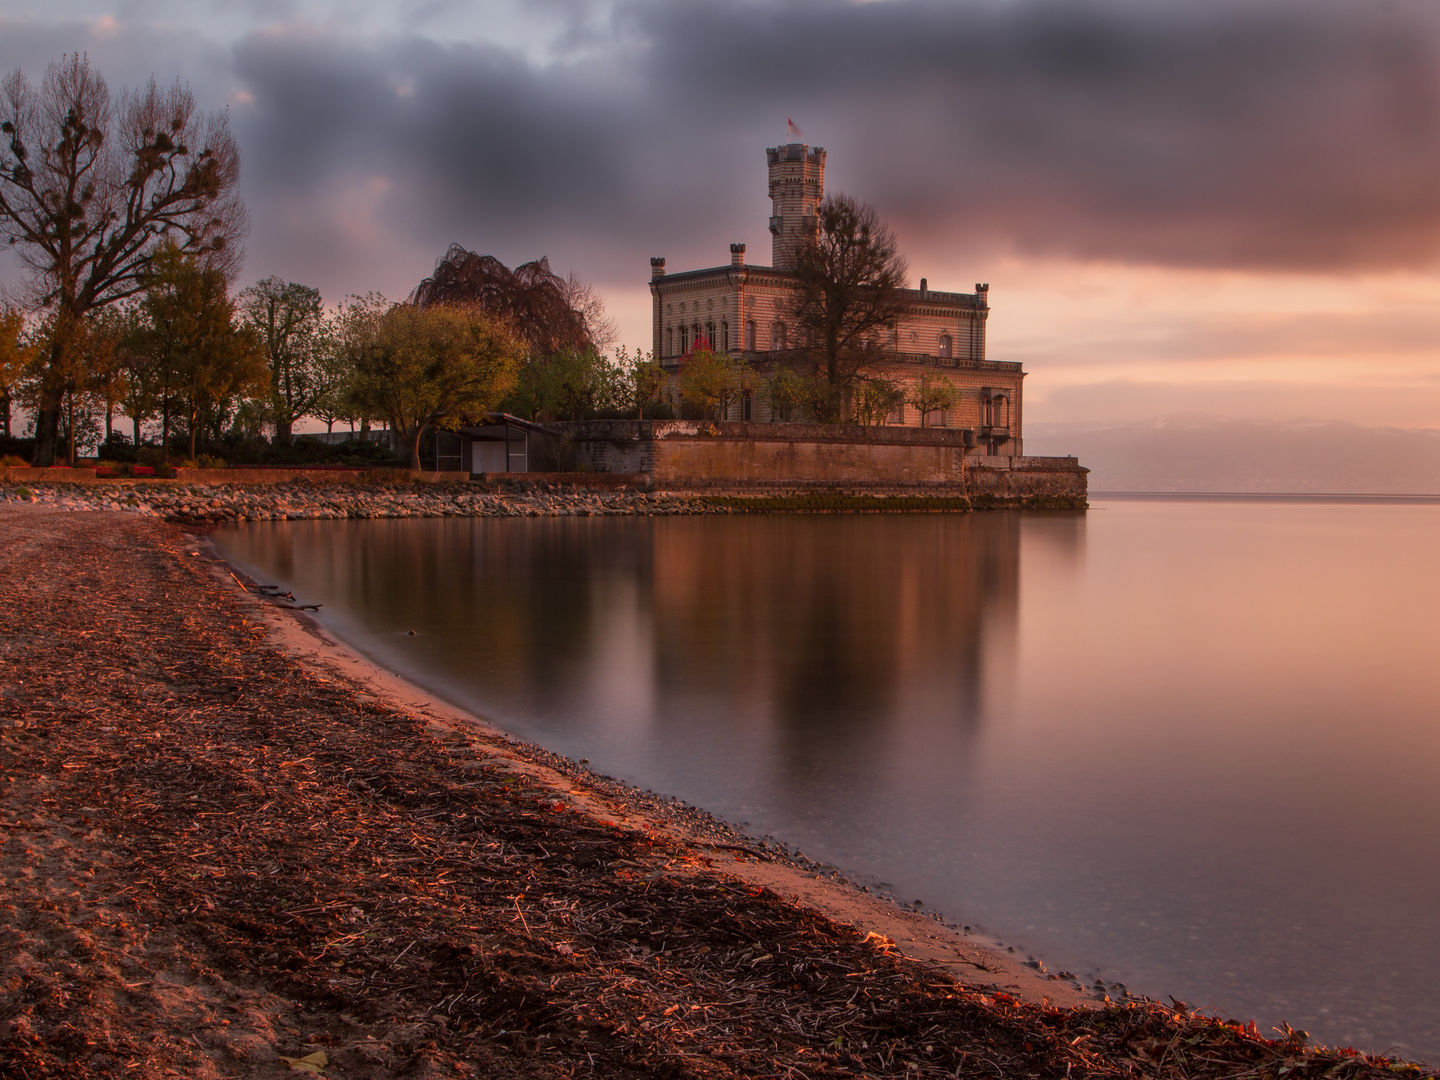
column 234, row 848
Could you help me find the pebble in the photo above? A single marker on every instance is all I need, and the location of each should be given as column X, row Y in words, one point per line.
column 309, row 501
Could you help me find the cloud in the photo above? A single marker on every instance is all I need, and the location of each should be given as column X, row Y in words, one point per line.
column 1250, row 134
column 1285, row 133
column 1295, row 134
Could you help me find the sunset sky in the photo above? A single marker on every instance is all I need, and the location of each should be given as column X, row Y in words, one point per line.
column 1219, row 206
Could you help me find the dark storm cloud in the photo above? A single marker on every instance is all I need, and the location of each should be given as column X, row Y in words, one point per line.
column 1269, row 133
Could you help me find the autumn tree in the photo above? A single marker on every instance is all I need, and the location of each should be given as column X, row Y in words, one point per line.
column 427, row 366
column 787, row 392
column 638, row 381
column 847, row 293
column 16, row 354
column 287, row 320
column 337, row 400
column 874, row 399
column 91, row 185
column 932, row 393
column 201, row 357
column 711, row 382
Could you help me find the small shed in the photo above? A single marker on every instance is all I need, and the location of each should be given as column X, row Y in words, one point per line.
column 505, row 443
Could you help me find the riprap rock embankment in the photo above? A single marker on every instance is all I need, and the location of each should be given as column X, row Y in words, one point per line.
column 307, row 501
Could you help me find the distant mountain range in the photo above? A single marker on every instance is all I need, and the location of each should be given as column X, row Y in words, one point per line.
column 1210, row 453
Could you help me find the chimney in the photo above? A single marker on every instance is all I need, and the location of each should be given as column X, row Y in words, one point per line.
column 657, row 267
column 737, row 254
column 924, row 286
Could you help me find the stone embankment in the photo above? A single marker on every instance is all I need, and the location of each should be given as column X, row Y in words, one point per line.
column 219, row 503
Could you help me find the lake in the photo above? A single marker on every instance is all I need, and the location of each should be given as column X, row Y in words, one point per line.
column 1187, row 745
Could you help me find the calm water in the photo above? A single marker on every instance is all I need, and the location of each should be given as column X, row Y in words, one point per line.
column 1190, row 746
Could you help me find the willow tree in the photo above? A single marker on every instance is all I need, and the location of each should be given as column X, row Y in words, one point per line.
column 553, row 314
column 427, row 367
column 91, row 185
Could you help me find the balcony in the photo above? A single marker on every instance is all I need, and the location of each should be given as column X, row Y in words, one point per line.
column 995, row 431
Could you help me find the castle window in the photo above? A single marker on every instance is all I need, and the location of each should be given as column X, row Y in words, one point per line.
column 777, row 336
column 750, row 336
column 710, row 333
column 684, row 342
column 670, row 341
column 724, row 336
column 946, row 346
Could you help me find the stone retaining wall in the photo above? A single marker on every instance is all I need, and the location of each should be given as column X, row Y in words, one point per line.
column 740, row 458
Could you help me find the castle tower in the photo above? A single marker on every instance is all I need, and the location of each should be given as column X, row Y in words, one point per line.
column 797, row 184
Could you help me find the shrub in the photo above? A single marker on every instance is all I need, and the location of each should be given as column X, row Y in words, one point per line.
column 14, row 461
column 24, row 493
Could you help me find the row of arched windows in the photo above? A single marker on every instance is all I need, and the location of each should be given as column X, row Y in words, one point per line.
column 680, row 340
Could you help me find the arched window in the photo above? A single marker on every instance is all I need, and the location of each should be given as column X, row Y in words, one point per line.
column 710, row 334
column 724, row 336
column 947, row 346
column 998, row 411
column 777, row 336
column 684, row 341
column 696, row 342
column 670, row 341
column 750, row 335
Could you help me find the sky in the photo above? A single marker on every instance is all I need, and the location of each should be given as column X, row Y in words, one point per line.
column 1229, row 207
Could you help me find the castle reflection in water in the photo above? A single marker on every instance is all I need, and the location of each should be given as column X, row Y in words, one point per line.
column 816, row 633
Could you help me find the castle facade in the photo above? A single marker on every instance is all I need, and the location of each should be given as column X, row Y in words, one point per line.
column 741, row 309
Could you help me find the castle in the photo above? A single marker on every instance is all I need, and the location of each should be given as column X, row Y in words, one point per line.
column 742, row 309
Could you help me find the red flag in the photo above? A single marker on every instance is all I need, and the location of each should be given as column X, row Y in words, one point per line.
column 792, row 129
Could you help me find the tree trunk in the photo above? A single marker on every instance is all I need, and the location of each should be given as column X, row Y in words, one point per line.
column 136, row 421
column 5, row 413
column 165, row 433
column 70, row 425
column 415, row 448
column 284, row 432
column 47, row 425
column 330, row 426
column 194, row 423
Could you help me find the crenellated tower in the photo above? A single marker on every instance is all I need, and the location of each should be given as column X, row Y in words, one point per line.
column 797, row 185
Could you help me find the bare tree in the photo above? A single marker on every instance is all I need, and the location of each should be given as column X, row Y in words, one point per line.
column 89, row 187
column 848, row 283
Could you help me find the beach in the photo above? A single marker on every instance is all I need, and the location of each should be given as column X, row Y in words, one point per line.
column 233, row 847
